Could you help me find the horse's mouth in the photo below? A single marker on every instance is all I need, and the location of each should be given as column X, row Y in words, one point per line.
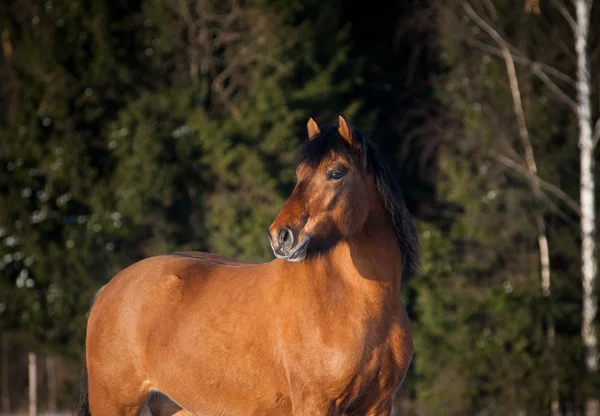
column 298, row 255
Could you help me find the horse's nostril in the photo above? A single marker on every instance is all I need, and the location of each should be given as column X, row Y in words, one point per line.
column 286, row 238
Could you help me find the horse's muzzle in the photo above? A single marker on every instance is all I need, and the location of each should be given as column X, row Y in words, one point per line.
column 286, row 245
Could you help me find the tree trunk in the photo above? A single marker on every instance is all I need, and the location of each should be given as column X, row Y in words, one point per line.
column 32, row 384
column 588, row 214
column 546, row 291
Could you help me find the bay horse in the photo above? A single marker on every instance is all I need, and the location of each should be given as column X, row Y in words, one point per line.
column 320, row 330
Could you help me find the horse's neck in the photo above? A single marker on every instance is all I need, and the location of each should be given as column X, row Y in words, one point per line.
column 372, row 256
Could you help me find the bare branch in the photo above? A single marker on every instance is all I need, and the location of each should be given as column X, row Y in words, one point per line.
column 553, row 189
column 523, row 60
column 490, row 30
column 514, row 89
column 504, row 49
column 559, row 212
column 492, row 9
column 555, row 88
column 566, row 14
column 567, row 50
column 531, row 166
column 484, row 25
column 535, row 66
column 530, row 163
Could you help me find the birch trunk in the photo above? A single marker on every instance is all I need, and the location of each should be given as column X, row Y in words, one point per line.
column 586, row 194
column 32, row 358
column 546, row 291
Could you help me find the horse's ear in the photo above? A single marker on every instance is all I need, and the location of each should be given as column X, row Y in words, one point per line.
column 313, row 128
column 345, row 131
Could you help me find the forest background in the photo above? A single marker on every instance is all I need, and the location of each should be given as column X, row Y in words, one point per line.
column 131, row 128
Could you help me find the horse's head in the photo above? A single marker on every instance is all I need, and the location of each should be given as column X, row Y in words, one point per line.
column 333, row 195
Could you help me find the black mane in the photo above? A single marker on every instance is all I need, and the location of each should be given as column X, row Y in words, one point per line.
column 315, row 150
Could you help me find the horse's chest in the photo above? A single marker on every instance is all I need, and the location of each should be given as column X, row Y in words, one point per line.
column 341, row 350
column 337, row 355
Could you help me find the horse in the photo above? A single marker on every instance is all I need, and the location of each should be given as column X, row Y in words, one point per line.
column 320, row 330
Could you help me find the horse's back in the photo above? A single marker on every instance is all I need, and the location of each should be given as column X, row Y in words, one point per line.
column 210, row 257
column 141, row 292
column 131, row 307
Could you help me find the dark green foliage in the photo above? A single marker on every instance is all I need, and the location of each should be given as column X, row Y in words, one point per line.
column 65, row 82
column 135, row 128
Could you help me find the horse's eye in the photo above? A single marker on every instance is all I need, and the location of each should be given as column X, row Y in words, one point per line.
column 335, row 175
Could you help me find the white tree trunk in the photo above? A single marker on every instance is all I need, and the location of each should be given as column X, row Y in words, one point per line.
column 588, row 214
column 32, row 384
